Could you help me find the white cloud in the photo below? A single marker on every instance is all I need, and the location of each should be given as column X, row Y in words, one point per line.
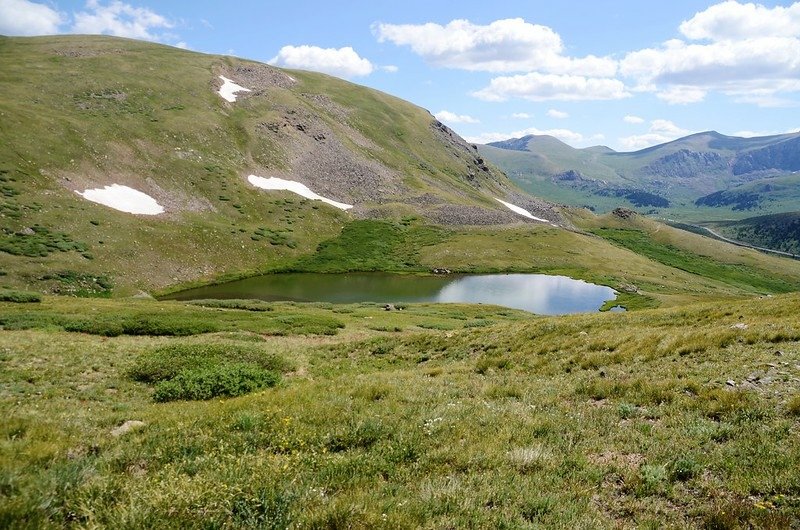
column 522, row 116
column 508, row 45
column 633, row 119
column 661, row 131
column 122, row 20
column 751, row 134
column 546, row 87
column 678, row 95
column 21, row 17
column 565, row 135
column 553, row 113
column 745, row 44
column 734, row 21
column 392, row 69
column 451, row 117
column 341, row 62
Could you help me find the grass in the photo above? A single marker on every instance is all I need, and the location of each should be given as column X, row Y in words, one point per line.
column 736, row 275
column 370, row 245
column 598, row 420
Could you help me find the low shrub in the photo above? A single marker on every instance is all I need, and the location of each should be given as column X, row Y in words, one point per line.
column 177, row 326
column 227, row 380
column 234, row 303
column 19, row 297
column 683, row 469
column 168, row 361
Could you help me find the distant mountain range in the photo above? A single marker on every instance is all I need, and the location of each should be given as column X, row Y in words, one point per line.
column 702, row 175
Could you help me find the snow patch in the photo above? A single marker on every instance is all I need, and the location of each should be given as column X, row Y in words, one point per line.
column 229, row 89
column 522, row 211
column 124, row 199
column 275, row 183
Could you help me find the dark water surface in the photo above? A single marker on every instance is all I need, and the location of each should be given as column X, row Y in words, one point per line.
column 538, row 293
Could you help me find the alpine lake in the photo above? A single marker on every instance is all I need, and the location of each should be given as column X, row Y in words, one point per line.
column 538, row 293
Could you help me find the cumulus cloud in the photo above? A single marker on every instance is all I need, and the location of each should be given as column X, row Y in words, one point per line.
column 565, row 135
column 451, row 117
column 536, row 86
column 341, row 62
column 734, row 45
column 558, row 114
column 633, row 119
column 21, row 17
column 392, row 69
column 508, row 45
column 734, row 21
column 122, row 20
column 661, row 131
column 678, row 95
column 751, row 134
column 522, row 116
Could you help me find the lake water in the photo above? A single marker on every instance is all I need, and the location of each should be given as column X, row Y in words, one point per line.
column 537, row 293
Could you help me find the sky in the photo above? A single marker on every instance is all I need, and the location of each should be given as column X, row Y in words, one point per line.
column 627, row 74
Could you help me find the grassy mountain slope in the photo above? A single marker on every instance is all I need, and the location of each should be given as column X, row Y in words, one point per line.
column 85, row 112
column 670, row 179
column 778, row 232
column 435, row 416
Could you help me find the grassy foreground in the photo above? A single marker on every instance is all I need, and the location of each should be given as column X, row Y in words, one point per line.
column 436, row 416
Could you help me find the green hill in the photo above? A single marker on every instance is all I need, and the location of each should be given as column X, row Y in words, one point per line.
column 82, row 113
column 778, row 232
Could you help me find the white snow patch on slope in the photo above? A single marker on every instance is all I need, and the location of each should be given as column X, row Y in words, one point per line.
column 124, row 199
column 275, row 183
column 229, row 89
column 521, row 211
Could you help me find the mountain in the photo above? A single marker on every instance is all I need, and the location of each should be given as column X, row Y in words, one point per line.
column 186, row 140
column 674, row 177
column 128, row 166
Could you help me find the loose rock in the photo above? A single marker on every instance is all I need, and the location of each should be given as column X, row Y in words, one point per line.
column 127, row 427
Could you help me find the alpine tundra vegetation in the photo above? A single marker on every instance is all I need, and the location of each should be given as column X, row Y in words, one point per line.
column 132, row 171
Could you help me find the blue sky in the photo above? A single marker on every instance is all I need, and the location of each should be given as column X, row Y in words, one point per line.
column 626, row 74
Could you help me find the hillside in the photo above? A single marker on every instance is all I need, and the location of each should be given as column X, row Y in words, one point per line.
column 689, row 178
column 436, row 416
column 778, row 232
column 167, row 132
column 356, row 180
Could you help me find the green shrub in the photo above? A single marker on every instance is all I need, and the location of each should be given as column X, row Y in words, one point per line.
column 479, row 323
column 683, row 469
column 168, row 361
column 246, row 305
column 161, row 325
column 227, row 380
column 19, row 297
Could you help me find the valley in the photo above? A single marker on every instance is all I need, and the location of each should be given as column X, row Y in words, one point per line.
column 703, row 177
column 131, row 172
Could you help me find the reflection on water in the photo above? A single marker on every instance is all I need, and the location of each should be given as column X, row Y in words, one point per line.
column 538, row 293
